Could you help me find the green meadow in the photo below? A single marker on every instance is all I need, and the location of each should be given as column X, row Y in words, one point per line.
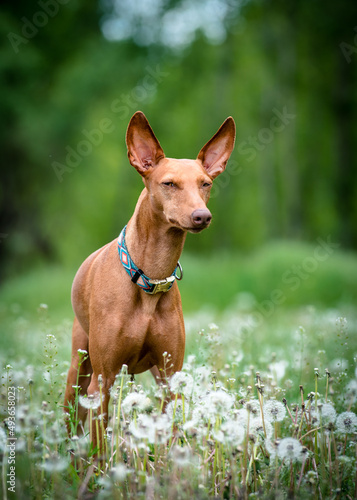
column 270, row 367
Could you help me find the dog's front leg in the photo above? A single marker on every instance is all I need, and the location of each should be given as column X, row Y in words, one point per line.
column 99, row 390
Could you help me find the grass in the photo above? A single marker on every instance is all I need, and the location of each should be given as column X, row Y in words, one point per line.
column 267, row 381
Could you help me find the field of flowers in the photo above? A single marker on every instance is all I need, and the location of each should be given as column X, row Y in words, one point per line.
column 258, row 411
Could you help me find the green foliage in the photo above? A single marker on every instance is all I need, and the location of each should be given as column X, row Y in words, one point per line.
column 297, row 180
column 303, row 388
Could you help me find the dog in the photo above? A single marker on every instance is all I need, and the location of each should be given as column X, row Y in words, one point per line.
column 125, row 295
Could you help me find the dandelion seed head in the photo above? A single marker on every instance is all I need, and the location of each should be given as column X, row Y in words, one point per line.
column 3, row 439
column 181, row 455
column 54, row 464
column 346, row 422
column 256, row 428
column 218, row 403
column 241, row 416
column 119, row 472
column 278, row 368
column 181, row 383
column 202, row 374
column 325, row 414
column 231, row 433
column 274, row 410
column 253, row 406
column 178, row 417
column 90, row 402
column 290, row 449
column 351, row 391
column 136, row 401
column 152, row 428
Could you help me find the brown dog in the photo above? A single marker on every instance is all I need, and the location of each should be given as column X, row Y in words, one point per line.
column 121, row 315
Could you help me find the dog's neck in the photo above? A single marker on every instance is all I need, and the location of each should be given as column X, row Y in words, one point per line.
column 153, row 244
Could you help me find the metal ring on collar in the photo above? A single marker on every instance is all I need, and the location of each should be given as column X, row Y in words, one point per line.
column 181, row 272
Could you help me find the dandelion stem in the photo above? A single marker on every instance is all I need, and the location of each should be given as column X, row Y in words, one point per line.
column 119, row 409
column 328, row 375
column 173, row 421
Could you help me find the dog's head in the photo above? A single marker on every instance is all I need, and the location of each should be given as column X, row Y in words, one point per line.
column 179, row 189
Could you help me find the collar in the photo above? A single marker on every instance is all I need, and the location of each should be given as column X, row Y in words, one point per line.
column 137, row 275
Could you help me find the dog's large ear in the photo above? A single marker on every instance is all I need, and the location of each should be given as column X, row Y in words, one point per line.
column 215, row 154
column 144, row 150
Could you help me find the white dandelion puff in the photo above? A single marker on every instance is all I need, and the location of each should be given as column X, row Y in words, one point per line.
column 256, row 428
column 324, row 415
column 90, row 402
column 278, row 368
column 54, row 464
column 3, row 439
column 181, row 383
column 241, row 416
column 202, row 375
column 231, row 433
column 290, row 449
column 177, row 407
column 136, row 401
column 351, row 391
column 120, row 472
column 153, row 428
column 181, row 455
column 346, row 422
column 218, row 403
column 253, row 406
column 274, row 411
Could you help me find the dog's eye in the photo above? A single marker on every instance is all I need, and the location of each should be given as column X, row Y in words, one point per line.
column 168, row 183
column 206, row 184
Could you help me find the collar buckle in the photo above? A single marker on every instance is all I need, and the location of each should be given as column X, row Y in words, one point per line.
column 161, row 285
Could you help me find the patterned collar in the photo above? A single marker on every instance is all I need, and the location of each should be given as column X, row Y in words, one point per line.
column 137, row 275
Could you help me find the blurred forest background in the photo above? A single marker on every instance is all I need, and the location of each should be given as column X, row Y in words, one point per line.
column 74, row 71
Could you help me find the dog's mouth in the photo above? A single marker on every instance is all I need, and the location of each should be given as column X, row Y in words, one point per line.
column 189, row 229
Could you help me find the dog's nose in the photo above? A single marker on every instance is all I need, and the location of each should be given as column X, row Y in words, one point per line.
column 201, row 217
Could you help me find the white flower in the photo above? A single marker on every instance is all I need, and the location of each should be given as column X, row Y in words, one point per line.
column 181, row 455
column 290, row 449
column 278, row 368
column 256, row 428
column 351, row 391
column 202, row 374
column 3, row 439
column 253, row 406
column 170, row 408
column 325, row 414
column 136, row 401
column 54, row 464
column 153, row 428
column 346, row 423
column 119, row 472
column 274, row 411
column 91, row 402
column 181, row 383
column 271, row 448
column 242, row 416
column 231, row 432
column 218, row 403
